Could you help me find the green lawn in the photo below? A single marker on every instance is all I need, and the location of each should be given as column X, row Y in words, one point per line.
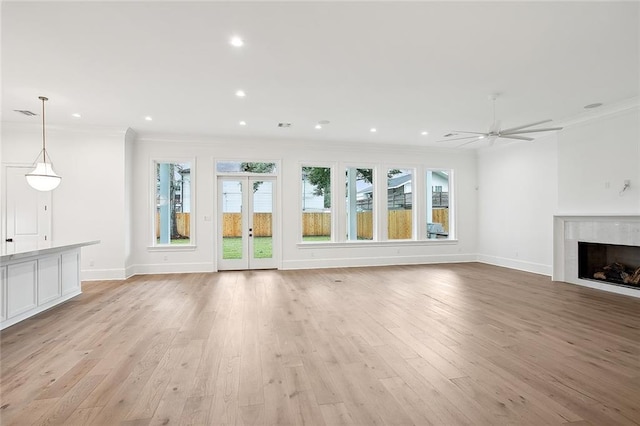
column 178, row 241
column 262, row 246
column 232, row 248
column 315, row 238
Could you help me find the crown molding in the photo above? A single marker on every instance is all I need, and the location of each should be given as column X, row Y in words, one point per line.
column 612, row 109
column 57, row 128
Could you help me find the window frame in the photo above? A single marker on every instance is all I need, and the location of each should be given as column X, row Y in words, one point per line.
column 384, row 201
column 332, row 173
column 451, row 201
column 154, row 245
column 343, row 228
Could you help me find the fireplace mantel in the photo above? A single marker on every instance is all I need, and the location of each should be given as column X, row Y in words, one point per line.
column 568, row 230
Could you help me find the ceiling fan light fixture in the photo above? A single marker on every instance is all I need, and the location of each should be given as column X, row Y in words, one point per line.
column 42, row 177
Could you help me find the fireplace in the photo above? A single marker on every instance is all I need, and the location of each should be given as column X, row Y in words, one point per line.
column 619, row 230
column 611, row 263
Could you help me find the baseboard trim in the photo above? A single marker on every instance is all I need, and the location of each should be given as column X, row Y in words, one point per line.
column 170, row 268
column 102, row 274
column 376, row 261
column 521, row 265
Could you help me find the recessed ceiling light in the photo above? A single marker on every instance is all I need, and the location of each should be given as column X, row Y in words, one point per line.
column 76, row 115
column 236, row 41
column 595, row 105
column 148, row 118
column 243, row 123
column 424, row 133
column 240, row 93
column 318, row 126
column 373, row 130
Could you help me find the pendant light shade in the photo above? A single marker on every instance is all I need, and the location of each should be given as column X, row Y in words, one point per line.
column 42, row 177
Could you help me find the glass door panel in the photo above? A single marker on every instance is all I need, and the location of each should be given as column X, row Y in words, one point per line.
column 232, row 239
column 245, row 223
column 262, row 219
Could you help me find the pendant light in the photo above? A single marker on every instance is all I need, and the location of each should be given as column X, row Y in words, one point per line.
column 42, row 177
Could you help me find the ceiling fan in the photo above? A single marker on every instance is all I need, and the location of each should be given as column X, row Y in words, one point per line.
column 496, row 132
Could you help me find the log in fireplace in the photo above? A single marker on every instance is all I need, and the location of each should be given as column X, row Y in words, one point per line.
column 611, row 263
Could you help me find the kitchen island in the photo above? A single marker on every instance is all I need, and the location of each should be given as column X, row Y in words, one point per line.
column 33, row 281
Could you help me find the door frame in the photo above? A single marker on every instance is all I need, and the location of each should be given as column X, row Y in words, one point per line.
column 45, row 222
column 248, row 262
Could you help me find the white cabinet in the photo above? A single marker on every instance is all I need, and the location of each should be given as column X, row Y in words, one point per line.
column 21, row 287
column 3, row 293
column 37, row 280
column 48, row 279
column 70, row 272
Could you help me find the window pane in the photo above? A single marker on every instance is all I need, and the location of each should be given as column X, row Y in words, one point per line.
column 359, row 202
column 400, row 204
column 438, row 204
column 232, row 219
column 316, row 204
column 173, row 203
column 262, row 219
column 245, row 167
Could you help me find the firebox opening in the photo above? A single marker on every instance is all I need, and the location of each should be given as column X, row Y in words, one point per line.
column 611, row 263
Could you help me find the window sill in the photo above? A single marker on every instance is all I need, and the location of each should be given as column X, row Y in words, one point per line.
column 169, row 247
column 392, row 243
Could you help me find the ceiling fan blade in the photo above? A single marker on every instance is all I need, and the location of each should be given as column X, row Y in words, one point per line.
column 459, row 139
column 525, row 126
column 473, row 133
column 467, row 143
column 547, row 129
column 520, row 138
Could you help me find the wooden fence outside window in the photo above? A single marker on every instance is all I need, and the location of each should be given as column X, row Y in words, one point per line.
column 313, row 224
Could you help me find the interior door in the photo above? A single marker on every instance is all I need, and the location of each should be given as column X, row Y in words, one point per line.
column 27, row 213
column 246, row 223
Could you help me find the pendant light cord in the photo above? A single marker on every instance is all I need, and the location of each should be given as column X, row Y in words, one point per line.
column 44, row 151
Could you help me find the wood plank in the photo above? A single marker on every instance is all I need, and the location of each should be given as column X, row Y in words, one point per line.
column 431, row 344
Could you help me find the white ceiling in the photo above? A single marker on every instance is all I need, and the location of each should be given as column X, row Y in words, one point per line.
column 399, row 67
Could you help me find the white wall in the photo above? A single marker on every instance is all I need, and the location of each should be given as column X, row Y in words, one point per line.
column 89, row 203
column 595, row 157
column 129, row 142
column 517, row 198
column 290, row 156
column 578, row 171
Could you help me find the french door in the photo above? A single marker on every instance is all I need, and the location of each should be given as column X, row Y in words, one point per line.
column 27, row 213
column 246, row 222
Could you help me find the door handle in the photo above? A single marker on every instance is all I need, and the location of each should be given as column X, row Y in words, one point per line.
column 9, row 240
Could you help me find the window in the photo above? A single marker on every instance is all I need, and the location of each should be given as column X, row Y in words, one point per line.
column 399, row 204
column 173, row 202
column 245, row 167
column 438, row 196
column 359, row 202
column 316, row 204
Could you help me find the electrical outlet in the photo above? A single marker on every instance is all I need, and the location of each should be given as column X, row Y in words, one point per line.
column 165, row 258
column 91, row 262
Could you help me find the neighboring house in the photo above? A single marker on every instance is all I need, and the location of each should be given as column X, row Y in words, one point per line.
column 399, row 191
column 232, row 198
column 310, row 201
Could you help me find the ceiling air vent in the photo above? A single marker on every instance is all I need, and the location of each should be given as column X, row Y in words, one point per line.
column 25, row 112
column 284, row 125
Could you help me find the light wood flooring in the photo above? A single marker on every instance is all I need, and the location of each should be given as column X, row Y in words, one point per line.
column 436, row 344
